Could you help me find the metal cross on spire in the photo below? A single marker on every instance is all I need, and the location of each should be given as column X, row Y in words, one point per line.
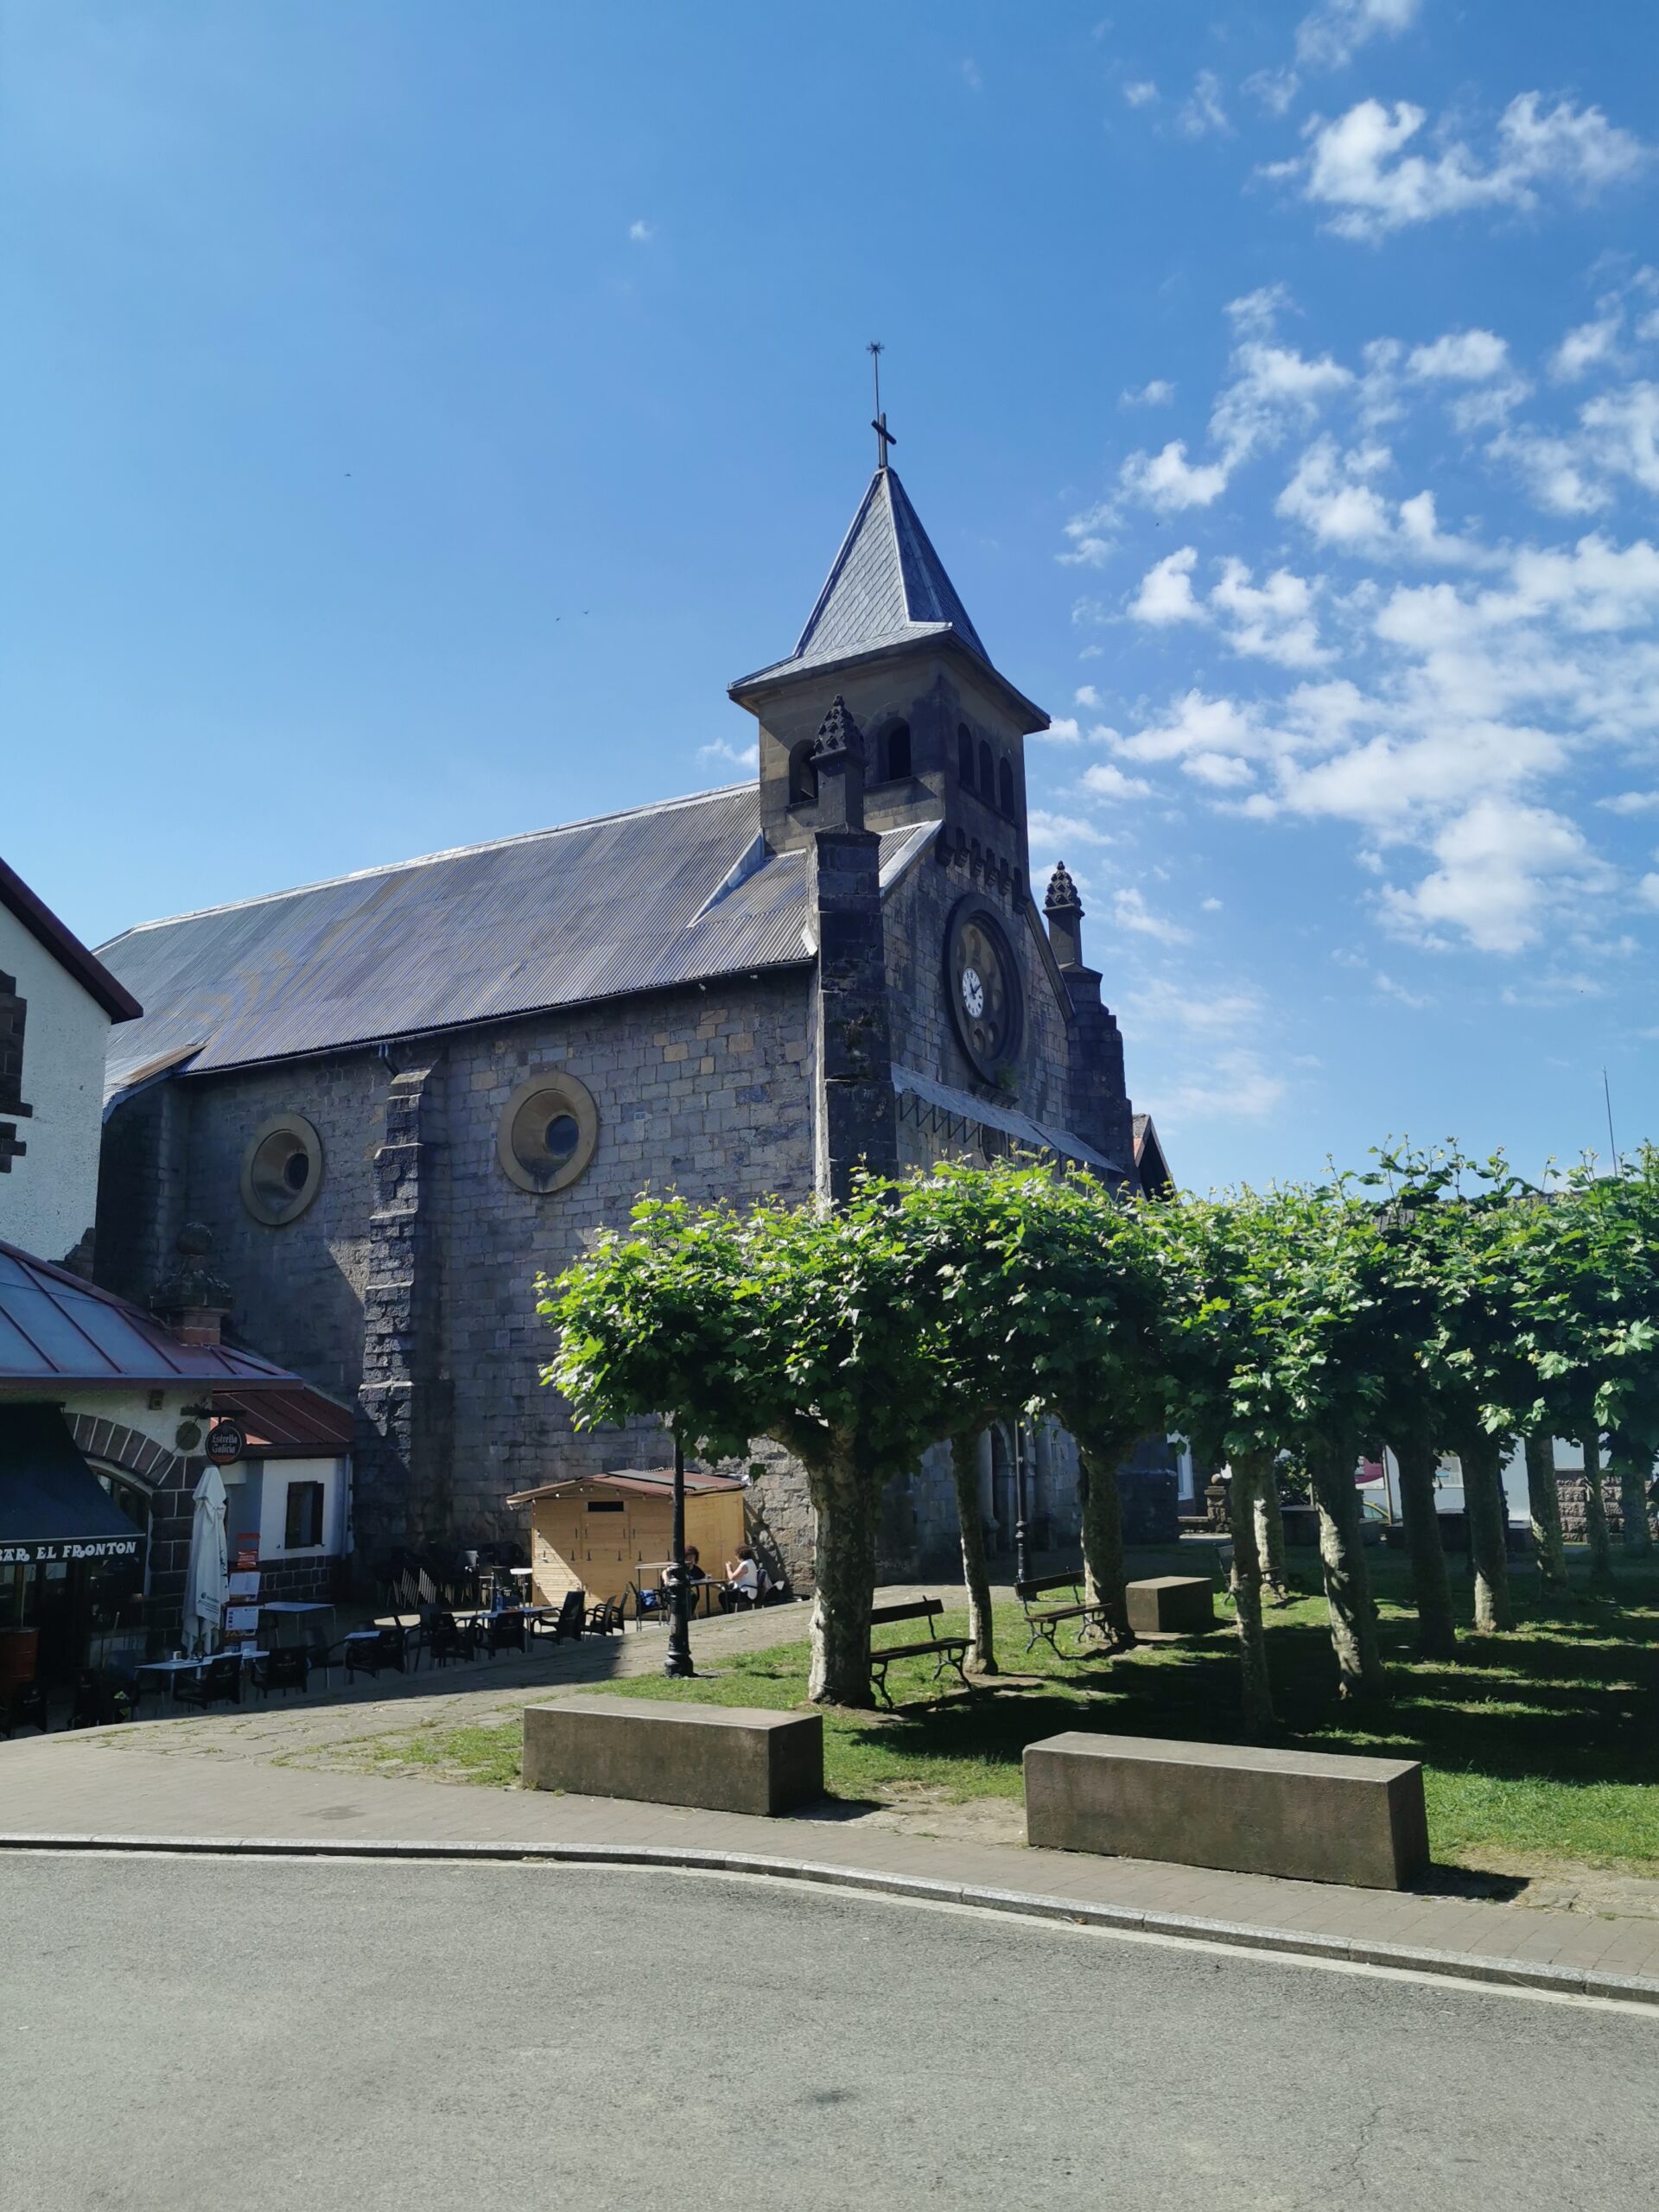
column 884, row 436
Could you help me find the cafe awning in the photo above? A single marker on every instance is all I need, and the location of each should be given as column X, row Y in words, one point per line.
column 52, row 1505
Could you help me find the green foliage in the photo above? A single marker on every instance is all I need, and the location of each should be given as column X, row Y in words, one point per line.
column 1046, row 1292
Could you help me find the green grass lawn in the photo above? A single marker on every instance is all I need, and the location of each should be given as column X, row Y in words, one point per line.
column 1539, row 1745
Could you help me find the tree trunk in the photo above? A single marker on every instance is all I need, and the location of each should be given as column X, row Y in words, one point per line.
column 1595, row 1519
column 1103, row 1532
column 1481, row 1457
column 1248, row 1473
column 1634, row 1468
column 964, row 1467
column 1347, row 1582
column 1270, row 1534
column 845, row 1502
column 1544, row 1500
column 1437, row 1635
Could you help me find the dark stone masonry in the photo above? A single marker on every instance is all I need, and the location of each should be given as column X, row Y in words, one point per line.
column 398, row 1099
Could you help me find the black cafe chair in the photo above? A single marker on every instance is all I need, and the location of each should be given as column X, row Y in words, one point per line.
column 26, row 1708
column 506, row 1631
column 220, row 1682
column 287, row 1668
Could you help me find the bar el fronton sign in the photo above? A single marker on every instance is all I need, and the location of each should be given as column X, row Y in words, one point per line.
column 49, row 1551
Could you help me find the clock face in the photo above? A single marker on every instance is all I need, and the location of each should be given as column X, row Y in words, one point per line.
column 984, row 987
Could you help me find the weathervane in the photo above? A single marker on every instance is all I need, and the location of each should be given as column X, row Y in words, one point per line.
column 884, row 436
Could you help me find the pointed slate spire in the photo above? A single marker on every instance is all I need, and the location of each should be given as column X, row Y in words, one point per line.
column 887, row 588
column 887, row 583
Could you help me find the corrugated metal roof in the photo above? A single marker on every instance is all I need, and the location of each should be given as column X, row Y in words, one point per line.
column 678, row 893
column 887, row 586
column 1039, row 1136
column 54, row 1327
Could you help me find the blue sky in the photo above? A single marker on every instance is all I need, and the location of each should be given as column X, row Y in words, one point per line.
column 417, row 412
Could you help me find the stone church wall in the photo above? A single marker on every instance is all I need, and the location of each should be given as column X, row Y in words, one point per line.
column 923, row 1037
column 707, row 1090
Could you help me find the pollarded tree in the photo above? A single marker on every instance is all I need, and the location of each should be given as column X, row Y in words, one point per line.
column 1207, row 1328
column 1598, row 1331
column 1454, row 1251
column 1310, row 1261
column 1047, row 1290
column 808, row 1326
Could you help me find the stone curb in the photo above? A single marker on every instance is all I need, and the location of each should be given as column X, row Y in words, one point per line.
column 1462, row 1966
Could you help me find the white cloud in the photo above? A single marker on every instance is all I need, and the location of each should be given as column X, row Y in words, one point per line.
column 1271, row 621
column 1158, row 393
column 1623, row 428
column 1214, row 740
column 642, row 232
column 1556, row 471
column 1388, row 988
column 1358, row 164
column 1587, row 348
column 1235, row 1086
column 1631, row 802
column 970, row 75
column 1169, row 482
column 1051, row 831
column 1648, row 889
column 1332, row 495
column 1272, row 389
column 1208, row 1012
column 746, row 757
column 1140, row 91
column 1105, row 779
column 1504, row 869
column 1091, row 543
column 1463, row 356
column 1274, row 89
column 1203, row 110
column 1332, row 35
column 1210, row 905
column 1061, row 730
column 1131, row 911
column 1166, row 593
column 1086, row 696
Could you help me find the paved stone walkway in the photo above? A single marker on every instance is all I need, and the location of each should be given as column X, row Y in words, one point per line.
column 216, row 1780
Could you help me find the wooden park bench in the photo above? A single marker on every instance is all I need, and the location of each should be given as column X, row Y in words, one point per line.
column 1043, row 1620
column 945, row 1650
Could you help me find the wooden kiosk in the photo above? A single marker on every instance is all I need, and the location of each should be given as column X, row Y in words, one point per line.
column 604, row 1533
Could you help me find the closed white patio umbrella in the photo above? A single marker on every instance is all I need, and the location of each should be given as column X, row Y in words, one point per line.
column 204, row 1585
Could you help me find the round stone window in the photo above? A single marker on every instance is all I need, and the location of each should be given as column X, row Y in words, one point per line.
column 549, row 1129
column 281, row 1170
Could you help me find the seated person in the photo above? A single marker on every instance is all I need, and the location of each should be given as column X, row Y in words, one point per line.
column 743, row 1576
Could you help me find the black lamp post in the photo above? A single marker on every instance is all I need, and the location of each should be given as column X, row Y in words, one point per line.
column 1021, row 1555
column 677, row 1660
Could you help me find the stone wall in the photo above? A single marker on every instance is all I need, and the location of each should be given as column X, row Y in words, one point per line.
column 419, row 1245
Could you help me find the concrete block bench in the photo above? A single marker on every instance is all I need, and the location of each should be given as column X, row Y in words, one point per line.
column 729, row 1758
column 1171, row 1604
column 1310, row 1816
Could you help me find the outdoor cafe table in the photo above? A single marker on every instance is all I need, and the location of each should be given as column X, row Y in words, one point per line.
column 703, row 1594
column 291, row 1608
column 174, row 1667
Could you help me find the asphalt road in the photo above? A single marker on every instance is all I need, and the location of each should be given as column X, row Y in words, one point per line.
column 195, row 2035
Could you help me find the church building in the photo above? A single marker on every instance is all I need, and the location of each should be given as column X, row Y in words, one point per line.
column 398, row 1097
